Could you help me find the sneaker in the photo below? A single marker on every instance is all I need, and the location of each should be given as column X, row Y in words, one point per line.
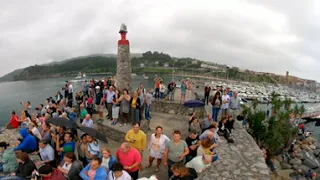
column 125, row 124
column 157, row 169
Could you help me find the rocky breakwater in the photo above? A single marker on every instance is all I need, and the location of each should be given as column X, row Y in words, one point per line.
column 11, row 137
column 241, row 160
column 305, row 157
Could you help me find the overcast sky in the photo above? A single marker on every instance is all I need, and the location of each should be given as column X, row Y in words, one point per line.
column 272, row 36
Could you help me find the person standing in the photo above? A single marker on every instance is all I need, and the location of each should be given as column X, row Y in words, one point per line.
column 135, row 107
column 171, row 89
column 148, row 105
column 162, row 89
column 216, row 105
column 183, row 89
column 137, row 139
column 124, row 106
column 175, row 152
column 225, row 102
column 207, row 90
column 234, row 104
column 115, row 107
column 157, row 88
column 142, row 94
column 83, row 112
column 110, row 94
column 157, row 146
column 130, row 158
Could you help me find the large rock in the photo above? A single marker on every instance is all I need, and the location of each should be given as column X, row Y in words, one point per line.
column 316, row 152
column 303, row 168
column 286, row 166
column 277, row 164
column 310, row 160
column 305, row 147
column 295, row 161
column 310, row 140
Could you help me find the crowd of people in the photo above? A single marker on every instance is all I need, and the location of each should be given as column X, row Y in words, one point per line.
column 65, row 154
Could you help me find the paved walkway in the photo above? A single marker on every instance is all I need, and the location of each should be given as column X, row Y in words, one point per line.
column 169, row 123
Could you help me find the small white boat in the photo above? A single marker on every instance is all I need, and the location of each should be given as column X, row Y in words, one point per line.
column 145, row 77
column 81, row 76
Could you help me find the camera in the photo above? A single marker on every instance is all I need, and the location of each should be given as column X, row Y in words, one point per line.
column 35, row 175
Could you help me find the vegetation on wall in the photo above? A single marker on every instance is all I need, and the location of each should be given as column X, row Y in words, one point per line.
column 276, row 130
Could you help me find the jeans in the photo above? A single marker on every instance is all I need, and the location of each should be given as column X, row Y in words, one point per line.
column 215, row 113
column 135, row 115
column 147, row 112
column 161, row 95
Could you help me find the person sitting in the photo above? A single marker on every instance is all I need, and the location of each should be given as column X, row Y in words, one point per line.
column 28, row 144
column 200, row 163
column 117, row 173
column 8, row 159
column 71, row 167
column 94, row 170
column 223, row 131
column 47, row 153
column 181, row 172
column 14, row 121
column 48, row 173
column 25, row 168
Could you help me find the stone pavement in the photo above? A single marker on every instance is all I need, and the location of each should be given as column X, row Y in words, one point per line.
column 169, row 123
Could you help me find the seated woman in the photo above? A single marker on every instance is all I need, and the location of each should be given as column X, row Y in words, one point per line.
column 8, row 160
column 117, row 172
column 94, row 170
column 25, row 168
column 107, row 159
column 71, row 167
column 223, row 130
column 200, row 163
column 206, row 148
column 181, row 172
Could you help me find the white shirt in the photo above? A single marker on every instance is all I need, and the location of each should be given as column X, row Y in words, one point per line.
column 87, row 123
column 162, row 88
column 197, row 164
column 225, row 98
column 125, row 176
column 70, row 88
column 36, row 132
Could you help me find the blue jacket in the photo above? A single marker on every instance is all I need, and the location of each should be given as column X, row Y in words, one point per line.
column 73, row 117
column 29, row 142
column 112, row 161
column 101, row 173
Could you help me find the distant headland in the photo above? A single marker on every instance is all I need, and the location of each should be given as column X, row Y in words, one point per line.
column 151, row 62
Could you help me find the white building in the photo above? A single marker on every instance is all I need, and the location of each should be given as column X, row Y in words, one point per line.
column 142, row 65
column 210, row 66
column 166, row 65
column 156, row 63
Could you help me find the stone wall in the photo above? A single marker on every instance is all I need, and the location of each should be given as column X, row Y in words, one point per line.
column 123, row 68
column 117, row 133
column 170, row 107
